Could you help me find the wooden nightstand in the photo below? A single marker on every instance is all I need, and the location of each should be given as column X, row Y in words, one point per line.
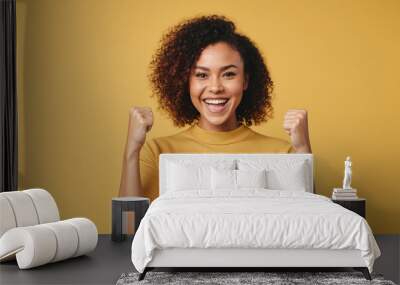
column 355, row 205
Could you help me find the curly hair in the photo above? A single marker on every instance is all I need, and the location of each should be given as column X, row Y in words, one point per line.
column 180, row 48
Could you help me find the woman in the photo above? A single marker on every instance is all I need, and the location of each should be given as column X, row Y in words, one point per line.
column 214, row 79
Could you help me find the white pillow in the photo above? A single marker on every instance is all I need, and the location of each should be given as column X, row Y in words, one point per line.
column 188, row 176
column 223, row 179
column 237, row 179
column 280, row 174
column 288, row 179
column 251, row 178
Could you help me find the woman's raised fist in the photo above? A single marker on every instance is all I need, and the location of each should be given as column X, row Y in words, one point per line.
column 296, row 126
column 140, row 122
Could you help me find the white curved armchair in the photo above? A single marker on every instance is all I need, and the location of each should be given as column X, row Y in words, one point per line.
column 31, row 230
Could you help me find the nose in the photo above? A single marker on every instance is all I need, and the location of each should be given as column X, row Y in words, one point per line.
column 216, row 86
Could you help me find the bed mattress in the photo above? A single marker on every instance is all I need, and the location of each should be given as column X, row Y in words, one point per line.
column 250, row 219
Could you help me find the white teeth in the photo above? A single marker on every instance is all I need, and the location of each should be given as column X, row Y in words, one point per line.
column 215, row 101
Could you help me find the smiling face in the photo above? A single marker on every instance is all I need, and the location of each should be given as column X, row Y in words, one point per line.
column 216, row 86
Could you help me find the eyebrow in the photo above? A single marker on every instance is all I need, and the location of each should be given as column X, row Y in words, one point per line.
column 222, row 68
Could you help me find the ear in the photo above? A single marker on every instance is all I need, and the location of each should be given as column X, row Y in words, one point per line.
column 246, row 82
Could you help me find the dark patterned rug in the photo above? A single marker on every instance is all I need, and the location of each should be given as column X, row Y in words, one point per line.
column 270, row 278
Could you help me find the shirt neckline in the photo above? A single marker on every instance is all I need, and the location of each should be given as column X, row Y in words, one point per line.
column 219, row 137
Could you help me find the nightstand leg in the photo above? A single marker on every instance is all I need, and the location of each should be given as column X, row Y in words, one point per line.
column 116, row 234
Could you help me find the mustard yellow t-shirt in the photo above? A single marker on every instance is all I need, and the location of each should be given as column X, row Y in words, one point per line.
column 197, row 140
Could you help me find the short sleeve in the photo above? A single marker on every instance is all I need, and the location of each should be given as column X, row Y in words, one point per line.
column 148, row 164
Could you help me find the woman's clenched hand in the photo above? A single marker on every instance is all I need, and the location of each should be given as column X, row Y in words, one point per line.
column 140, row 122
column 296, row 126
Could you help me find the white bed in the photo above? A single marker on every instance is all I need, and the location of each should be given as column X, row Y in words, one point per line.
column 247, row 210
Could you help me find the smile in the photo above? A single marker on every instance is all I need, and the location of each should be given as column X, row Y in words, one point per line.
column 216, row 105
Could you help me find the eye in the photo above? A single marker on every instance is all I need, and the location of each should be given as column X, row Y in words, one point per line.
column 201, row 75
column 229, row 74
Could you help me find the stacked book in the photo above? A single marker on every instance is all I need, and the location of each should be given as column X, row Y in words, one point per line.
column 344, row 194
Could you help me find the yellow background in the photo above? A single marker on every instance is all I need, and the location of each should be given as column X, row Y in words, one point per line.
column 83, row 63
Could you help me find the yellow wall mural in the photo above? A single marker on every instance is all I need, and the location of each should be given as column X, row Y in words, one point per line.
column 83, row 64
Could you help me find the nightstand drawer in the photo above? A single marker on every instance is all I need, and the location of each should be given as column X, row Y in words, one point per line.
column 357, row 206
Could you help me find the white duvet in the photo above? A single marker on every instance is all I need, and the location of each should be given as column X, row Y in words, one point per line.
column 251, row 218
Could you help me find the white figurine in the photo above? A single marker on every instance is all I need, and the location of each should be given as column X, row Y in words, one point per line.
column 347, row 174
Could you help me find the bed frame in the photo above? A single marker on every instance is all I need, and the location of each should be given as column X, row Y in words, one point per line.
column 244, row 259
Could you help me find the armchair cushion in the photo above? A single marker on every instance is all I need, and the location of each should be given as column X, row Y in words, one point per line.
column 31, row 232
column 51, row 242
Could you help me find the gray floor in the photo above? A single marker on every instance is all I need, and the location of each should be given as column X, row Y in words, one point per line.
column 103, row 266
column 389, row 262
column 110, row 260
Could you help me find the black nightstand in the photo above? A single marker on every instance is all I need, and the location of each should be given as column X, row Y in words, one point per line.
column 356, row 205
column 139, row 205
